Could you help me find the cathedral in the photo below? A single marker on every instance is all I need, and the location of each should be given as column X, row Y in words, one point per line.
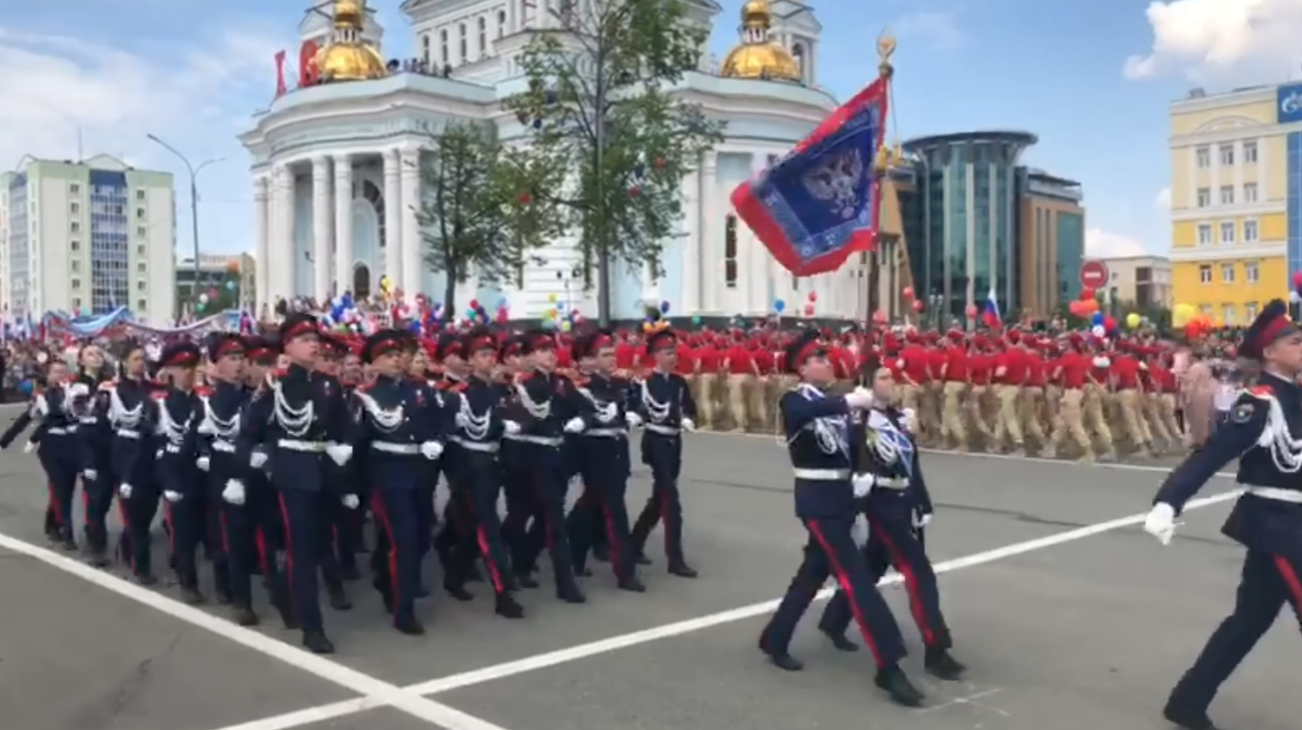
column 336, row 160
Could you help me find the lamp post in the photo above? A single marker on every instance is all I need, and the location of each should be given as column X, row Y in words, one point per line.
column 194, row 171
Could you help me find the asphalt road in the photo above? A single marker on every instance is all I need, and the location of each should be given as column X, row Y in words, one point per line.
column 1068, row 616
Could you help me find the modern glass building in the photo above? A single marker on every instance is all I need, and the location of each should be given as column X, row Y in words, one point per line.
column 969, row 212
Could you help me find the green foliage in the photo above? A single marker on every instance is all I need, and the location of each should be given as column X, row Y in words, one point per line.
column 600, row 103
column 480, row 210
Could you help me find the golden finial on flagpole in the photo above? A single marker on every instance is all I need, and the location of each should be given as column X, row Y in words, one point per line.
column 886, row 45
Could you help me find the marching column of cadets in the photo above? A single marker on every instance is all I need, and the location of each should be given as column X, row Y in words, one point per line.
column 271, row 463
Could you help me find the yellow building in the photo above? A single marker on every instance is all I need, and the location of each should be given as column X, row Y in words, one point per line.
column 1229, row 192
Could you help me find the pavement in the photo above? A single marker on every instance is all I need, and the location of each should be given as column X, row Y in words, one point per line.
column 1068, row 615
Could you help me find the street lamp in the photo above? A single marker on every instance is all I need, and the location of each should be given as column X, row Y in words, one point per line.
column 194, row 171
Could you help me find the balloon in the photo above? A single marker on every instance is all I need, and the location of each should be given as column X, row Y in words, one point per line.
column 664, row 307
column 503, row 304
column 918, row 306
column 565, row 326
column 553, row 313
column 779, row 305
column 1098, row 331
column 1110, row 324
column 813, row 296
column 474, row 305
column 502, row 316
column 879, row 316
column 551, row 298
column 696, row 320
column 1097, row 318
column 1181, row 315
column 203, row 298
column 809, row 310
column 230, row 286
column 1075, row 309
column 1086, row 294
column 1297, row 280
column 971, row 311
column 1132, row 320
column 1090, row 306
column 907, row 292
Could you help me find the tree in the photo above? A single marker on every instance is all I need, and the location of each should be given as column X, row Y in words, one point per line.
column 480, row 209
column 600, row 100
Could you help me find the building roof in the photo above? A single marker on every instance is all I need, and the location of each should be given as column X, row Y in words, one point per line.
column 1014, row 137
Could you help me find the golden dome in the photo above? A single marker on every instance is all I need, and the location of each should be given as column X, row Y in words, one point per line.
column 756, row 12
column 348, row 57
column 760, row 61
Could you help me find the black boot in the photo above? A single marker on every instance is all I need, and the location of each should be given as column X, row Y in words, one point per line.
column 632, row 584
column 338, row 598
column 570, row 593
column 191, row 595
column 838, row 640
column 409, row 625
column 942, row 665
column 317, row 643
column 1188, row 719
column 897, row 686
column 245, row 616
column 682, row 570
column 780, row 658
column 508, row 607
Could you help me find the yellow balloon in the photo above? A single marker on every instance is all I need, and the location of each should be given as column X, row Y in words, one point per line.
column 565, row 326
column 553, row 314
column 552, row 298
column 1132, row 320
column 1181, row 315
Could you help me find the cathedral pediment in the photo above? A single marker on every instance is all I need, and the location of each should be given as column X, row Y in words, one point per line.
column 795, row 14
column 1226, row 124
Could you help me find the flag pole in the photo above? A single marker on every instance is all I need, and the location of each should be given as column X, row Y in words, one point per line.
column 885, row 160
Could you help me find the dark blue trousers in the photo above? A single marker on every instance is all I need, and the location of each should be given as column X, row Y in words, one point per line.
column 1267, row 583
column 545, row 483
column 664, row 454
column 605, row 471
column 830, row 551
column 397, row 556
column 304, row 516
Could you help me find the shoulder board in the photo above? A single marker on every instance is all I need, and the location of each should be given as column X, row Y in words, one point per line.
column 108, row 385
column 458, row 387
column 1260, row 391
column 159, row 394
column 520, row 378
column 364, row 387
column 203, row 391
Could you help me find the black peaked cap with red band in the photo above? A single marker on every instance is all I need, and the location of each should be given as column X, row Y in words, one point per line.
column 1272, row 324
column 663, row 339
column 537, row 340
column 221, row 344
column 513, row 346
column 182, row 354
column 297, row 324
column 384, row 342
column 806, row 343
column 449, row 343
column 588, row 344
column 262, row 349
column 479, row 338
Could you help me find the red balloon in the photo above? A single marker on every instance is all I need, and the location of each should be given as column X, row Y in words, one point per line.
column 809, row 309
column 879, row 316
column 502, row 315
column 1086, row 294
column 1076, row 309
column 907, row 292
column 813, row 296
column 918, row 306
column 474, row 304
column 1297, row 280
column 971, row 311
column 1109, row 324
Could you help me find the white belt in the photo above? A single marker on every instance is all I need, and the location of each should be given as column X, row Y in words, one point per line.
column 481, row 446
column 61, row 431
column 536, row 440
column 891, row 482
column 604, row 433
column 127, row 433
column 307, row 447
column 822, row 475
column 225, row 447
column 389, row 447
column 663, row 430
column 1277, row 494
column 89, row 420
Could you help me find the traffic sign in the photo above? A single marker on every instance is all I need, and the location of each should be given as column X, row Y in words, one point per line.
column 1093, row 274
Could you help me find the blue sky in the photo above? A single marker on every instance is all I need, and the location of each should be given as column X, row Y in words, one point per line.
column 1093, row 80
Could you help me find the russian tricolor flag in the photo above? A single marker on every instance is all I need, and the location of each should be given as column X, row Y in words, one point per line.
column 991, row 313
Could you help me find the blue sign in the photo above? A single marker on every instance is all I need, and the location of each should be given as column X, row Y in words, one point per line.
column 1288, row 104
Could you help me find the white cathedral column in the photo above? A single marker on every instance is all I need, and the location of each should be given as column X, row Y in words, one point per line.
column 409, row 170
column 281, row 257
column 320, row 228
column 690, row 261
column 343, row 224
column 262, row 206
column 711, row 233
column 392, row 217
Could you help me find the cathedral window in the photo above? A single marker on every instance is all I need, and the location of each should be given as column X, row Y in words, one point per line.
column 483, row 36
column 461, row 32
column 730, row 251
column 501, row 23
column 424, row 55
column 443, row 43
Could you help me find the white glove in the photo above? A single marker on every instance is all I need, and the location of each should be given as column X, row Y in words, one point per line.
column 511, row 427
column 921, row 520
column 29, row 447
column 574, row 425
column 125, row 490
column 171, row 496
column 258, row 459
column 431, row 450
column 339, row 453
column 1161, row 522
column 863, row 484
column 860, row 398
column 859, row 531
column 633, row 419
column 90, row 475
column 234, row 492
column 351, row 501
column 460, row 420
column 203, row 463
column 689, row 424
column 907, row 419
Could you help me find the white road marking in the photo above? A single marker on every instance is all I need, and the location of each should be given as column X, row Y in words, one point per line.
column 384, row 693
column 668, row 631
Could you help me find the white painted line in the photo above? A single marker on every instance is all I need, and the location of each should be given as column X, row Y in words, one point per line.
column 310, row 716
column 668, row 631
column 981, row 455
column 383, row 693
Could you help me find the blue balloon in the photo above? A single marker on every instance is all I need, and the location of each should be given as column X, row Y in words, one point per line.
column 779, row 305
column 1097, row 318
column 664, row 307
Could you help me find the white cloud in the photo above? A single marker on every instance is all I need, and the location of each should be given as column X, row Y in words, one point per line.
column 61, row 91
column 1163, row 200
column 937, row 29
column 1100, row 244
column 1202, row 39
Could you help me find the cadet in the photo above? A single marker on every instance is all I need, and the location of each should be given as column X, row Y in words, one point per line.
column 892, row 494
column 96, row 438
column 476, row 480
column 1264, row 433
column 397, row 426
column 602, row 431
column 546, row 402
column 284, row 428
column 663, row 400
column 132, row 459
column 173, row 416
column 817, row 428
column 338, row 549
column 57, row 447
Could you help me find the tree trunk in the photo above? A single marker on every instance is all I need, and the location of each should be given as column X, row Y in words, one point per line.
column 450, row 292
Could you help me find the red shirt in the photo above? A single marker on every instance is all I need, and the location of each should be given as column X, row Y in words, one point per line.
column 1075, row 367
column 686, row 363
column 956, row 364
column 563, row 359
column 739, row 360
column 763, row 360
column 708, row 358
column 1126, row 370
column 981, row 367
column 625, row 356
column 1016, row 367
column 915, row 361
column 937, row 359
column 1036, row 371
